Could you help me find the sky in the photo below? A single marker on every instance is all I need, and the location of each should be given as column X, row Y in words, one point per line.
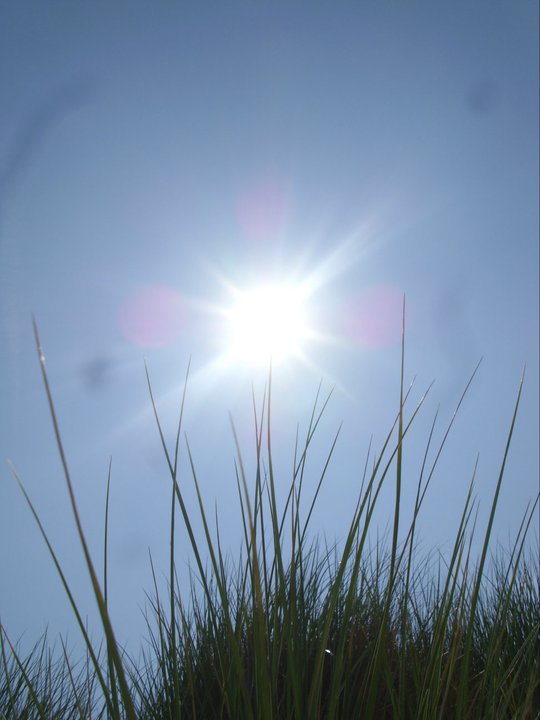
column 163, row 166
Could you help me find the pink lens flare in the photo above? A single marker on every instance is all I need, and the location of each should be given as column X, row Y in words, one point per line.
column 373, row 318
column 152, row 316
column 262, row 209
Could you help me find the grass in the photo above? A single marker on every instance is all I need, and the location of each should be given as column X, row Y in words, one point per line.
column 292, row 628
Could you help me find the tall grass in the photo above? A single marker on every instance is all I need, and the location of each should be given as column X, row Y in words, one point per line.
column 292, row 628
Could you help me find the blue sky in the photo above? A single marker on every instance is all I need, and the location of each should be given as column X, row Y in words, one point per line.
column 156, row 159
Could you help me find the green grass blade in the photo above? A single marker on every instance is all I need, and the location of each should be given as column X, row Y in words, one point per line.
column 109, row 634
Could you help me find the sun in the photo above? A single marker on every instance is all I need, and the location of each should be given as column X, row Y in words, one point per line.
column 266, row 323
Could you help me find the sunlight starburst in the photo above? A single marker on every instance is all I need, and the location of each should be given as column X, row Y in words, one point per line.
column 267, row 322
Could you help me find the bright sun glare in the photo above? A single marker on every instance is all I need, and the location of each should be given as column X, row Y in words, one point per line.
column 267, row 322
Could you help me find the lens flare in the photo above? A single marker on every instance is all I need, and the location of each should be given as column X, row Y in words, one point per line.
column 262, row 209
column 152, row 316
column 374, row 317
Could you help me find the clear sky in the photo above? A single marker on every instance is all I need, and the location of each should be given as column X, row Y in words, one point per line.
column 161, row 161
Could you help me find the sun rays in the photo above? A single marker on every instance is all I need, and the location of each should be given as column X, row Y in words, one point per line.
column 267, row 322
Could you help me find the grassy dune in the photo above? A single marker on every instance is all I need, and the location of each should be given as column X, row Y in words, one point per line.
column 292, row 628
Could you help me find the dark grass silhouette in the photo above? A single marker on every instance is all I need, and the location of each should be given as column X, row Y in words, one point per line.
column 292, row 628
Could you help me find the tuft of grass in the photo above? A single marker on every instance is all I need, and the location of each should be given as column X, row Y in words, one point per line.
column 293, row 628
